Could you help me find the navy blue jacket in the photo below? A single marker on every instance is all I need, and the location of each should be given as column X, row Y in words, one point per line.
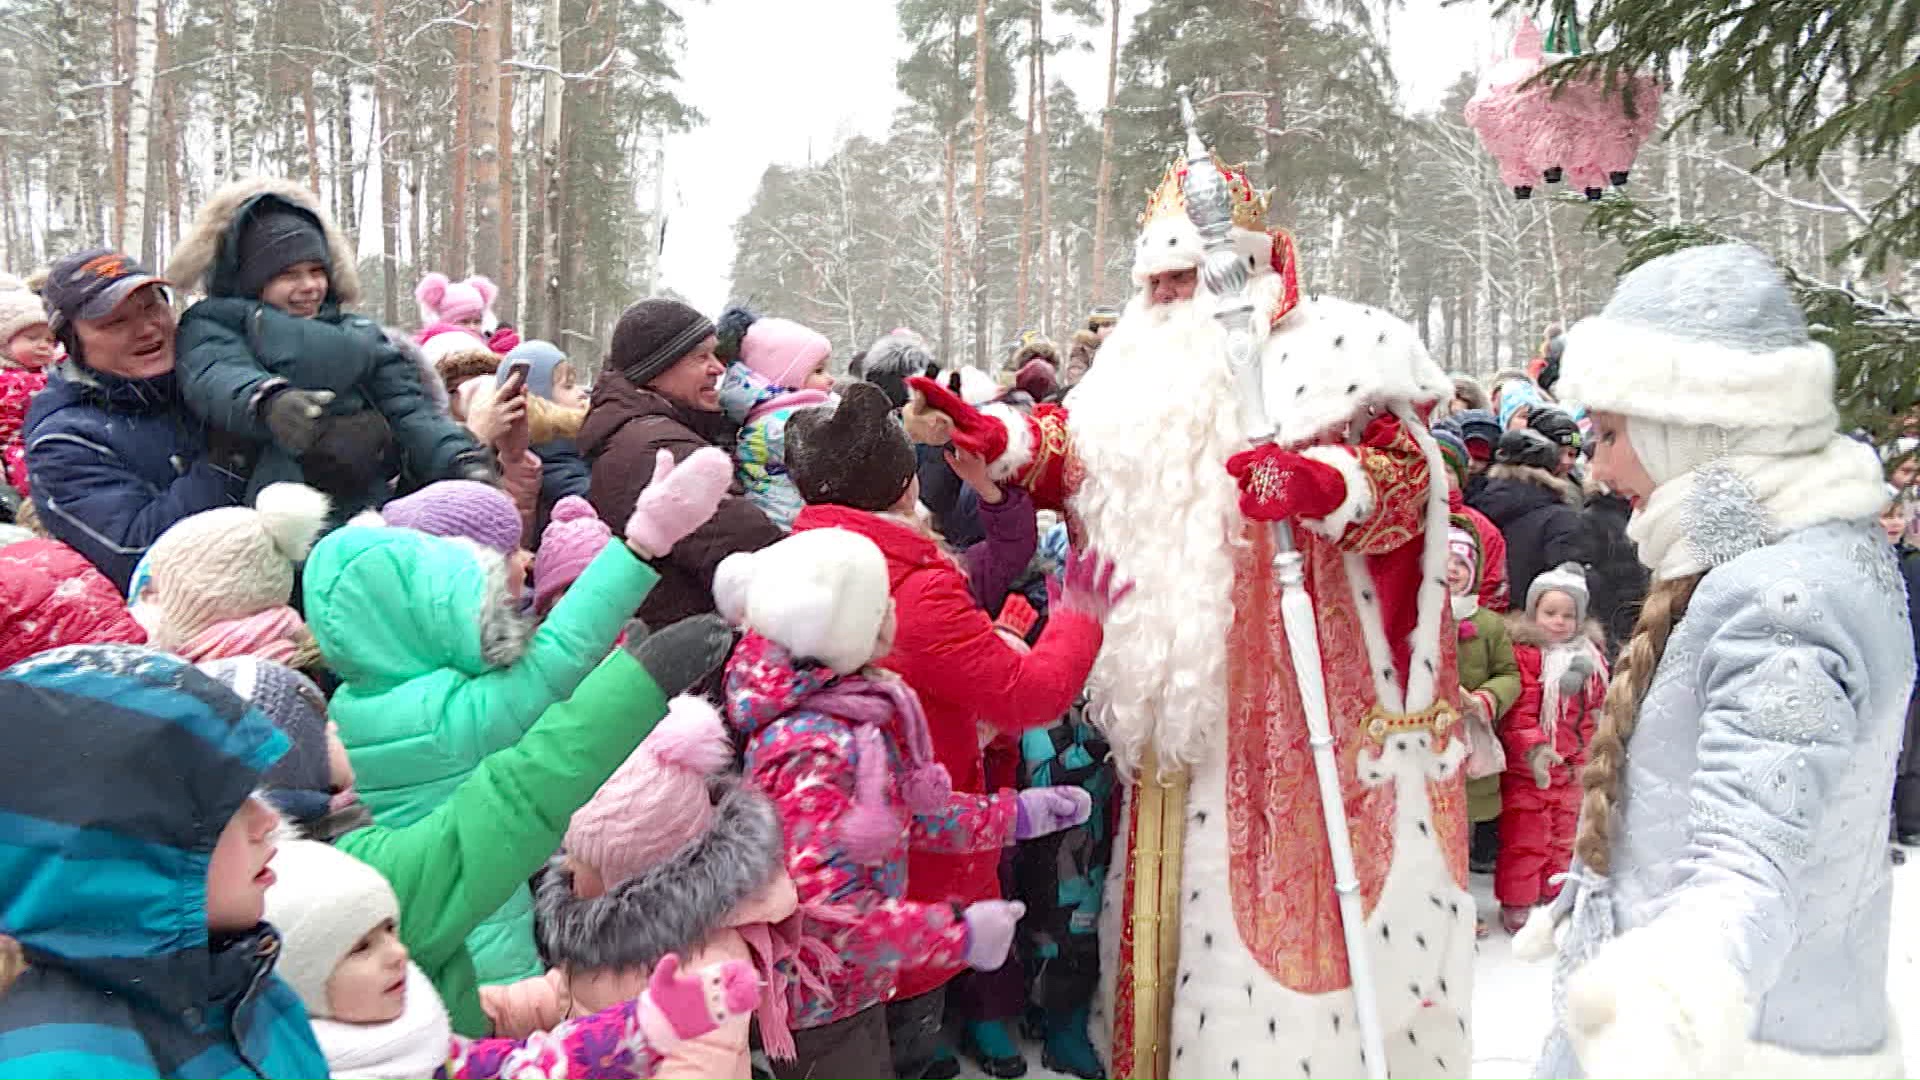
column 563, row 471
column 113, row 798
column 114, row 462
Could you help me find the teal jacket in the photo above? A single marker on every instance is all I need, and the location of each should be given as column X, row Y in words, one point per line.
column 233, row 349
column 413, row 626
column 453, row 868
column 113, row 797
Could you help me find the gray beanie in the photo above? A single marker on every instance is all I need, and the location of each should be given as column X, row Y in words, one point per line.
column 1569, row 578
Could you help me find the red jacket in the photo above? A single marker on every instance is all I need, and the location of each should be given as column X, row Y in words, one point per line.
column 966, row 675
column 50, row 596
column 1522, row 728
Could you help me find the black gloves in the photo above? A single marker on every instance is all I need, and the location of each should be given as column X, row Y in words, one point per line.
column 295, row 417
column 684, row 653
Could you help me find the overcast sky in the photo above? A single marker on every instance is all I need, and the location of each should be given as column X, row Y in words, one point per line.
column 781, row 79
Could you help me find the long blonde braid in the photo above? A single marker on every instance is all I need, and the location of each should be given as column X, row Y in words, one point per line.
column 1607, row 755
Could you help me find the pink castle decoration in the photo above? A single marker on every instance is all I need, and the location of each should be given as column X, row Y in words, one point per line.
column 1583, row 133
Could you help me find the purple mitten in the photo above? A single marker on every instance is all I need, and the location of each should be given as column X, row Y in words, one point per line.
column 990, row 926
column 679, row 499
column 1050, row 809
column 677, row 1006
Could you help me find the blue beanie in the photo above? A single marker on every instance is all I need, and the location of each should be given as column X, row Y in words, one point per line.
column 540, row 358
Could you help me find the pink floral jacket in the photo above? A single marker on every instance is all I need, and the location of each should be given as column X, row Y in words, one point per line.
column 805, row 760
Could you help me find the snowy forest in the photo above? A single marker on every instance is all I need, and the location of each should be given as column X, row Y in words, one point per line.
column 517, row 138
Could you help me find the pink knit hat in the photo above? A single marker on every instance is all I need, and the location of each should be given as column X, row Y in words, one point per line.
column 783, row 352
column 657, row 802
column 442, row 300
column 478, row 512
column 572, row 539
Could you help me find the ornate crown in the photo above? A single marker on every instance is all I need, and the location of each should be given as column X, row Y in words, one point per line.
column 1249, row 206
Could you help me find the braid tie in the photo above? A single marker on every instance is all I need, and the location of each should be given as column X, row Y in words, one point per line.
column 1665, row 606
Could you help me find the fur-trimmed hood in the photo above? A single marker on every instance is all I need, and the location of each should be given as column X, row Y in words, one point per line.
column 709, row 885
column 1524, row 631
column 206, row 256
column 1564, row 489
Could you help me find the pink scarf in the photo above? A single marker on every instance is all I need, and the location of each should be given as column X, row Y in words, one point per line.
column 774, row 945
column 275, row 634
column 793, row 399
column 873, row 699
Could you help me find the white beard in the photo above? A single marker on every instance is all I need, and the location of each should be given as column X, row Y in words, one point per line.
column 1154, row 423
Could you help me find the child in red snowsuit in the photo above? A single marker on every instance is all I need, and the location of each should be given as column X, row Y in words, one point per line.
column 1563, row 683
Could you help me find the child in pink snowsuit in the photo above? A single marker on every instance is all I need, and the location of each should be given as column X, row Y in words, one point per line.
column 843, row 751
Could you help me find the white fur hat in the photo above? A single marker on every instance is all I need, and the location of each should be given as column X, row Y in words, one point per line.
column 1329, row 359
column 1708, row 336
column 323, row 901
column 232, row 562
column 820, row 594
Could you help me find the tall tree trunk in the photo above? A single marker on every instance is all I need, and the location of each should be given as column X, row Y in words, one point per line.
column 486, row 136
column 146, row 45
column 313, row 133
column 548, row 274
column 344, row 156
column 949, row 180
column 1103, row 197
column 979, row 283
column 462, row 149
column 167, row 172
column 507, row 276
column 389, row 178
column 1047, row 283
column 1026, row 173
column 227, row 95
column 122, row 42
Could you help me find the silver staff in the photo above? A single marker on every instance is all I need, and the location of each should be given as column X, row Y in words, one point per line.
column 1210, row 207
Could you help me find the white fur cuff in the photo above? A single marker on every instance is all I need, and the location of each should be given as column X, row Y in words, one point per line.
column 1659, row 1001
column 1357, row 506
column 1019, row 450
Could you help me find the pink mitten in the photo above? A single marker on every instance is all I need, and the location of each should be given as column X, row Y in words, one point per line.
column 678, row 1007
column 679, row 499
column 990, row 926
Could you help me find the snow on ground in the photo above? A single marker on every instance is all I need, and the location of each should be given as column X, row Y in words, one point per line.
column 1511, row 1000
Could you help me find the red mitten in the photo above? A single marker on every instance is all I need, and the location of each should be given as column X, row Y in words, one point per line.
column 1381, row 432
column 1277, row 484
column 973, row 430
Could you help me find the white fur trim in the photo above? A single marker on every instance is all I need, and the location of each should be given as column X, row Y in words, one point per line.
column 1659, row 1001
column 976, row 386
column 1373, row 634
column 1433, row 606
column 1535, row 941
column 1170, row 242
column 1330, row 359
column 1610, row 366
column 1019, row 450
column 1356, row 506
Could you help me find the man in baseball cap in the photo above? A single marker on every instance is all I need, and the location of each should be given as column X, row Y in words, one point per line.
column 91, row 284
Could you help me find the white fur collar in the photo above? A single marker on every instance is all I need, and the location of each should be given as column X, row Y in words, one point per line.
column 1841, row 481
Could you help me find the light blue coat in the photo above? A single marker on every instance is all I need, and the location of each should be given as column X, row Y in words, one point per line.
column 1757, row 789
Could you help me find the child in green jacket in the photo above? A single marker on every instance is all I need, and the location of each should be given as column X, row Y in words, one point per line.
column 1489, row 675
column 456, row 866
column 441, row 663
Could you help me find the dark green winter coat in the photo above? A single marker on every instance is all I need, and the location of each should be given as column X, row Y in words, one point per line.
column 1486, row 662
column 234, row 349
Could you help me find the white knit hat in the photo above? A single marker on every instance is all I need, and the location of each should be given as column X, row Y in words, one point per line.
column 232, row 562
column 1705, row 337
column 323, row 901
column 820, row 594
column 20, row 308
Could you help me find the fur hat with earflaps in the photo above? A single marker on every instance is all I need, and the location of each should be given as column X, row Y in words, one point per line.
column 672, row 849
column 852, row 454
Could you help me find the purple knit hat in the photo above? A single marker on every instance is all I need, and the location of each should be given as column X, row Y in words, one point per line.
column 573, row 539
column 478, row 512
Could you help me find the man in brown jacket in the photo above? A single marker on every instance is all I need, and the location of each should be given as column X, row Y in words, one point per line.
column 660, row 391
